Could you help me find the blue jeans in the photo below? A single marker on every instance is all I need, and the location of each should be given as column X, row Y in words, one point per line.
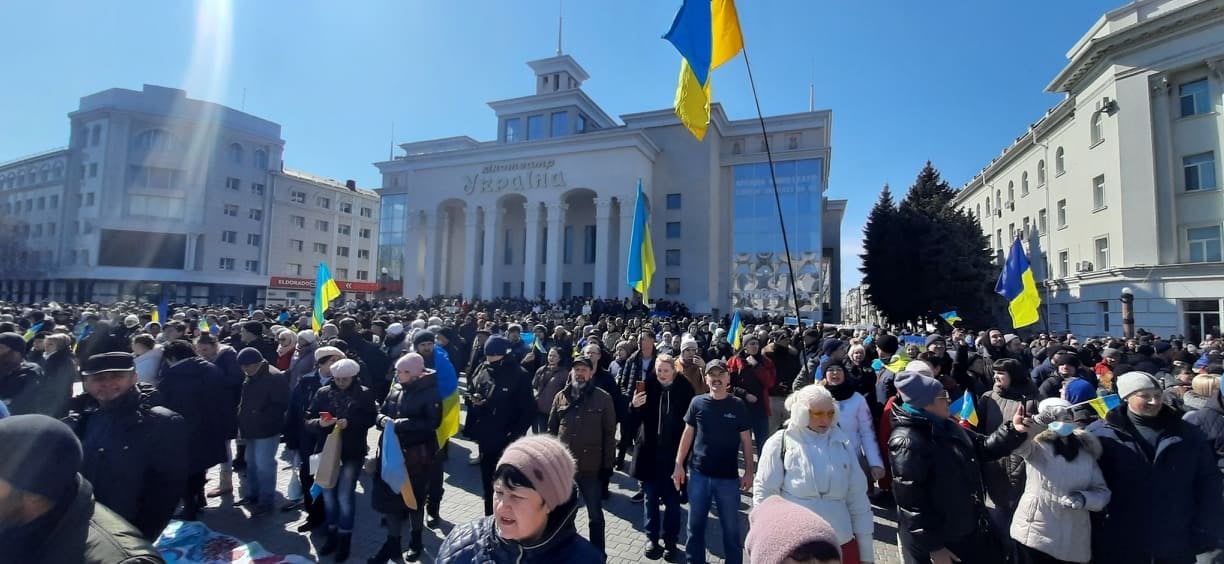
column 259, row 484
column 339, row 500
column 663, row 491
column 724, row 493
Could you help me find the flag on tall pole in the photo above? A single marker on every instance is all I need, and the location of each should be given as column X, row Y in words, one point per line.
column 1016, row 283
column 707, row 34
column 641, row 266
column 325, row 291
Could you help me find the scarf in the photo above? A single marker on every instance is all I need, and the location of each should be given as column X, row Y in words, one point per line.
column 939, row 424
column 842, row 391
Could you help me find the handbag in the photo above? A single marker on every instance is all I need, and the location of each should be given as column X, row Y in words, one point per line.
column 328, row 472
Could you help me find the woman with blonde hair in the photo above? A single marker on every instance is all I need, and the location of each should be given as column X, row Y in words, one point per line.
column 813, row 463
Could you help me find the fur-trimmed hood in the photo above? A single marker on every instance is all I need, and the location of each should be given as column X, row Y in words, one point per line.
column 1087, row 440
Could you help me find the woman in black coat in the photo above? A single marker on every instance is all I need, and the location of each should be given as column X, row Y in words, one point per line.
column 660, row 409
column 59, row 373
column 413, row 410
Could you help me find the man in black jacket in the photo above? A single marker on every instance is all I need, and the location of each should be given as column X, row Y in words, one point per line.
column 500, row 408
column 135, row 451
column 937, row 477
column 252, row 335
column 19, row 379
column 193, row 388
column 261, row 414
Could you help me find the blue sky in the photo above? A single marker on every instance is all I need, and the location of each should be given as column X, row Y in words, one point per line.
column 953, row 81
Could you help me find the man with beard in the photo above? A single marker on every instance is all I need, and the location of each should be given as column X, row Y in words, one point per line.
column 19, row 378
column 501, row 408
column 583, row 417
column 135, row 452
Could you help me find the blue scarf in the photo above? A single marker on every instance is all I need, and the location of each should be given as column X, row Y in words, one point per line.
column 939, row 424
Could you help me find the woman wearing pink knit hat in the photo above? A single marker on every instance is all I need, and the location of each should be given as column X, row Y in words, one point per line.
column 534, row 504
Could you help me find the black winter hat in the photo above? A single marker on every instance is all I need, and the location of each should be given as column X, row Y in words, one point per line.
column 13, row 341
column 423, row 337
column 41, row 456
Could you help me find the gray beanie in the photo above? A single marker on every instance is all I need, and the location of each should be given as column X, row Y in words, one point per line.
column 918, row 390
column 1132, row 382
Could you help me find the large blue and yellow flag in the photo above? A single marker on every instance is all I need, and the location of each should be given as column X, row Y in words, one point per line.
column 641, row 266
column 1016, row 283
column 326, row 290
column 707, row 34
column 736, row 335
column 448, row 389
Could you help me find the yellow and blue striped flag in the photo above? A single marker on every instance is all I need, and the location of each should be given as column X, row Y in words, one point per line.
column 951, row 317
column 641, row 267
column 1103, row 405
column 736, row 335
column 965, row 409
column 325, row 291
column 162, row 312
column 707, row 34
column 31, row 332
column 1016, row 283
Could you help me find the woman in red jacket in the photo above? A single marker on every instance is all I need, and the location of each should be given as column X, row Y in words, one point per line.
column 752, row 377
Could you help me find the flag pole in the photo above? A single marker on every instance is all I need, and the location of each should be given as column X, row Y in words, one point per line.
column 777, row 198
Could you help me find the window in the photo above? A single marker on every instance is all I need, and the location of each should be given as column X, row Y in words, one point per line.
column 1064, row 263
column 1098, row 193
column 342, row 273
column 581, row 123
column 1095, row 128
column 1204, row 243
column 229, row 236
column 54, row 201
column 567, row 245
column 256, row 214
column 38, row 230
column 1024, row 189
column 297, row 221
column 1199, row 171
column 155, row 140
column 1202, row 317
column 254, row 239
column 231, row 210
column 251, row 266
column 1025, row 227
column 322, row 202
column 1195, row 98
column 673, row 201
column 1059, row 162
column 364, row 232
column 1011, row 192
column 988, row 205
column 89, row 199
column 322, row 225
column 257, row 188
column 1060, row 213
column 672, row 257
column 298, row 197
column 367, row 212
column 560, row 124
column 95, row 136
column 363, row 275
column 233, row 183
column 1101, row 246
column 671, row 286
column 1041, row 222
column 673, row 230
column 977, row 212
column 235, row 153
column 293, row 269
column 514, row 130
column 296, row 244
column 1011, row 231
column 261, row 159
column 363, row 254
column 588, row 244
column 1041, row 173
column 999, row 200
column 346, row 207
column 535, row 127
column 93, row 170
column 343, row 229
column 1103, row 309
column 588, row 290
column 320, row 248
column 999, row 238
column 342, row 251
column 42, row 202
column 226, row 263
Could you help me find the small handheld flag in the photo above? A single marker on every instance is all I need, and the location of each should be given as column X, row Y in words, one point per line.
column 951, row 317
column 736, row 334
column 31, row 332
column 1103, row 405
column 965, row 410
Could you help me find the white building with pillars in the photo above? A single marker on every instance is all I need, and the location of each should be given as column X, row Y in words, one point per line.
column 546, row 209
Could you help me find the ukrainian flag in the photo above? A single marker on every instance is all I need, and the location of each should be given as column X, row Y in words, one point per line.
column 951, row 317
column 31, row 332
column 965, row 409
column 163, row 309
column 326, row 290
column 1016, row 283
column 448, row 390
column 736, row 335
column 1103, row 405
column 641, row 266
column 707, row 34
column 203, row 326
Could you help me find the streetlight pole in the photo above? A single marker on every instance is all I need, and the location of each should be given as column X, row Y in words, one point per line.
column 1128, row 313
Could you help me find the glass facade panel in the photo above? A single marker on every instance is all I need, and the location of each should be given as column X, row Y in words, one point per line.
column 392, row 221
column 760, row 280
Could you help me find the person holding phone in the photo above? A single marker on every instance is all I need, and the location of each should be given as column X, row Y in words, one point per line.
column 660, row 405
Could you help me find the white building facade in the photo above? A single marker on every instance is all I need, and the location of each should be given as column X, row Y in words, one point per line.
column 1118, row 186
column 546, row 209
column 156, row 194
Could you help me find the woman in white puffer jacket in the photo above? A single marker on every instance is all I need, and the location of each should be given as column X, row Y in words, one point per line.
column 854, row 417
column 813, row 463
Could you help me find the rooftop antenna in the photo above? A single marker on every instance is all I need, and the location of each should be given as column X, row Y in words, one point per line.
column 812, row 88
column 391, row 149
column 560, row 25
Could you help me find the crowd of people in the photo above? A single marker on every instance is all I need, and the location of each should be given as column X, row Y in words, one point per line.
column 991, row 447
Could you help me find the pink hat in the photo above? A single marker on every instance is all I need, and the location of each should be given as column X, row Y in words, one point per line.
column 546, row 463
column 778, row 527
column 412, row 362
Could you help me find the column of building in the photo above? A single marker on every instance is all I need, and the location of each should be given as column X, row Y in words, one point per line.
column 556, row 259
column 603, row 240
column 471, row 274
column 412, row 249
column 531, row 269
column 444, row 252
column 620, row 288
column 492, row 225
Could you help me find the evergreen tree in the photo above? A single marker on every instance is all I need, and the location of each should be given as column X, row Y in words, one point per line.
column 882, row 248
